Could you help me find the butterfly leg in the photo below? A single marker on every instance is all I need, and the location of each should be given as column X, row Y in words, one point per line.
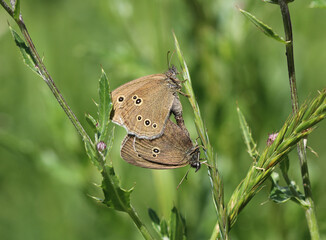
column 184, row 94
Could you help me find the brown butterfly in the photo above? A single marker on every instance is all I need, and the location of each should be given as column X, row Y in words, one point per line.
column 173, row 149
column 143, row 105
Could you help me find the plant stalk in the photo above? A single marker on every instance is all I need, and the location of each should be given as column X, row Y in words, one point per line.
column 310, row 211
column 216, row 181
column 142, row 228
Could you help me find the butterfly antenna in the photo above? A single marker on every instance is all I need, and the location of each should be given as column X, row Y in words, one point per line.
column 169, row 59
column 184, row 177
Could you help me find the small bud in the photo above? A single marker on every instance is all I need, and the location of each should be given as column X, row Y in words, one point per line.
column 271, row 138
column 101, row 146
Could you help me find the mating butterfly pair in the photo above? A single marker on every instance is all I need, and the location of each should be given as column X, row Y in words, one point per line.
column 143, row 107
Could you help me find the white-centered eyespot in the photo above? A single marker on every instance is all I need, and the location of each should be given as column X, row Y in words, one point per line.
column 121, row 98
column 147, row 122
column 156, row 150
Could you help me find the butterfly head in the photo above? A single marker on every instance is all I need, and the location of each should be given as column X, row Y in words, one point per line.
column 194, row 158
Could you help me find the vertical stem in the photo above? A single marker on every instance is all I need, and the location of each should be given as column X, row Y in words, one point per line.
column 289, row 54
column 310, row 211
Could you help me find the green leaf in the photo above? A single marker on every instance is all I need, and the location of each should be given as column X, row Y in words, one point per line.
column 17, row 10
column 109, row 143
column 92, row 153
column 318, row 4
column 104, row 106
column 25, row 51
column 155, row 221
column 114, row 196
column 268, row 31
column 164, row 228
column 280, row 194
column 92, row 122
column 153, row 216
column 177, row 225
column 249, row 141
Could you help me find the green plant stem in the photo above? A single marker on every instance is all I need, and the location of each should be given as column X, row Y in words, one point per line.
column 129, row 210
column 142, row 228
column 44, row 73
column 310, row 211
column 216, row 181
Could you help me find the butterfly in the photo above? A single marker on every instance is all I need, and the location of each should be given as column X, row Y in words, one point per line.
column 173, row 149
column 142, row 106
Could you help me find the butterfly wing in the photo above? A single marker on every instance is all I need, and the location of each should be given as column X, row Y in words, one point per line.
column 143, row 105
column 171, row 149
column 129, row 154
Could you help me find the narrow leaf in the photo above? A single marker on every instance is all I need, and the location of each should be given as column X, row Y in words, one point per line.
column 318, row 4
column 92, row 153
column 115, row 197
column 155, row 221
column 25, row 51
column 268, row 31
column 17, row 10
column 164, row 228
column 177, row 226
column 153, row 216
column 249, row 141
column 92, row 122
column 105, row 105
column 109, row 143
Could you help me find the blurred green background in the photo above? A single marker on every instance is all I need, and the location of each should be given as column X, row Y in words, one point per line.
column 45, row 176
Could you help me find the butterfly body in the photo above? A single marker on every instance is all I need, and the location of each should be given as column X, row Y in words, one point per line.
column 143, row 105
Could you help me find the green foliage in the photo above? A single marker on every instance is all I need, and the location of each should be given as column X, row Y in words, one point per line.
column 177, row 225
column 268, row 31
column 104, row 107
column 28, row 57
column 248, row 139
column 280, row 194
column 115, row 197
column 287, row 138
